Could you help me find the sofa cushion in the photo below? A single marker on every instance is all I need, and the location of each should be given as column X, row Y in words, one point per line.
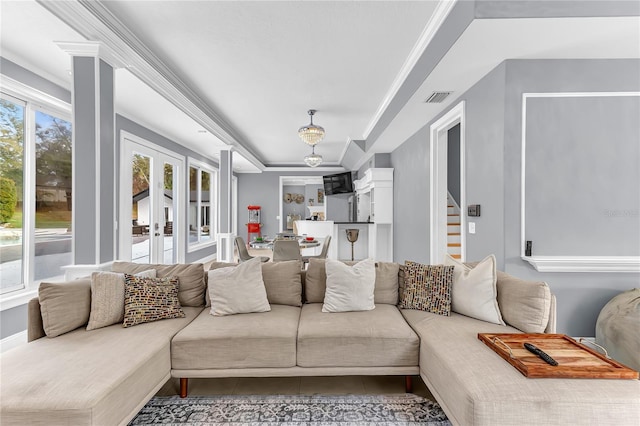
column 97, row 377
column 524, row 305
column 474, row 292
column 238, row 289
column 265, row 339
column 107, row 298
column 428, row 288
column 349, row 288
column 55, row 299
column 150, row 299
column 377, row 338
column 386, row 286
column 191, row 276
column 282, row 281
column 476, row 386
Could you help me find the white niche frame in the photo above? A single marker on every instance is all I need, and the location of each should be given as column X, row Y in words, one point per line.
column 567, row 263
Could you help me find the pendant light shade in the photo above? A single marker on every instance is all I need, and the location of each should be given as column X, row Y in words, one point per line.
column 311, row 134
column 313, row 159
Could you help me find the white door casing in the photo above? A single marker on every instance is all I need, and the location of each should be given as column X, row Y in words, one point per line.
column 130, row 145
column 438, row 183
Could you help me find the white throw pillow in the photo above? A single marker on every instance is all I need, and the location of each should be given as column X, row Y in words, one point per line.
column 238, row 289
column 474, row 292
column 107, row 298
column 349, row 288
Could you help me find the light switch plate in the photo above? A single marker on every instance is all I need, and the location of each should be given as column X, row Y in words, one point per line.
column 472, row 227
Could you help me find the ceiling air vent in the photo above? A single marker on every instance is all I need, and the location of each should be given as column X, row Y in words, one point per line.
column 437, row 97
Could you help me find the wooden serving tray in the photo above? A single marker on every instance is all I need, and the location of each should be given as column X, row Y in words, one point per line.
column 575, row 360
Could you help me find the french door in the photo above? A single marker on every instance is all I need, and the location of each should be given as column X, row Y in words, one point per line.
column 151, row 213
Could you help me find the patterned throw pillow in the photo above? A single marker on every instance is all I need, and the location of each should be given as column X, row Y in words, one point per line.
column 427, row 288
column 150, row 299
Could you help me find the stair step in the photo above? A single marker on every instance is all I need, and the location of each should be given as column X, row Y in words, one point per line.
column 453, row 233
column 456, row 256
column 454, row 245
column 453, row 224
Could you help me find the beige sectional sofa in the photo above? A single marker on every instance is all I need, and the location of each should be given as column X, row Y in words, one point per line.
column 105, row 376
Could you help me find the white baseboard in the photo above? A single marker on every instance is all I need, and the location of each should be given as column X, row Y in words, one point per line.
column 13, row 341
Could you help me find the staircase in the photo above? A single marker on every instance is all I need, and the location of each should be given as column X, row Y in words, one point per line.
column 453, row 229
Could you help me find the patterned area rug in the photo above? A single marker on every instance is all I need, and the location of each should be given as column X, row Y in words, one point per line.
column 299, row 410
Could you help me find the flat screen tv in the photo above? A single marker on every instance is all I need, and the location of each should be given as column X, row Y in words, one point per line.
column 340, row 183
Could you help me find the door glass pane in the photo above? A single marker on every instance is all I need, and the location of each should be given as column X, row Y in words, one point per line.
column 11, row 195
column 193, row 205
column 53, row 196
column 167, row 215
column 205, row 216
column 140, row 208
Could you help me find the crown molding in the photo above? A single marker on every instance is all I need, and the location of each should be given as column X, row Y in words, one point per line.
column 95, row 22
column 307, row 169
column 441, row 12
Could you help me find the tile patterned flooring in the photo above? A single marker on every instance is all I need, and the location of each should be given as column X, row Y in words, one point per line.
column 340, row 385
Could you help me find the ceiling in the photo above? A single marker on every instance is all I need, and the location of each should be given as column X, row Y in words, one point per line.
column 256, row 67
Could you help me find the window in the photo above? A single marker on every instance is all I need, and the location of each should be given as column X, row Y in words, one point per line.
column 35, row 191
column 203, row 205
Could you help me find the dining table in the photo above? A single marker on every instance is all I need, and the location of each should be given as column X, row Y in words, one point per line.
column 268, row 243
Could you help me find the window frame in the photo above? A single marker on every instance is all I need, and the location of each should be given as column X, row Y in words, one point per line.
column 33, row 100
column 201, row 166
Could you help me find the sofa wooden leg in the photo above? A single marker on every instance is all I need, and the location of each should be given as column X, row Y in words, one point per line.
column 408, row 384
column 184, row 387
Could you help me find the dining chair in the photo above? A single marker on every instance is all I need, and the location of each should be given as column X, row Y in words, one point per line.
column 243, row 253
column 286, row 250
column 323, row 253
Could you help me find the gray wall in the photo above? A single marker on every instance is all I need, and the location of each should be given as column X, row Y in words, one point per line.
column 493, row 130
column 453, row 163
column 380, row 161
column 580, row 296
column 338, row 207
column 311, row 192
column 124, row 124
column 14, row 320
column 484, row 122
column 571, row 208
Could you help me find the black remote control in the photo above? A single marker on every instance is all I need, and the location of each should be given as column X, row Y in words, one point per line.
column 542, row 354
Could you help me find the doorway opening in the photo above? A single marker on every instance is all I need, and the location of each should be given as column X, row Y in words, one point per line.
column 445, row 223
column 300, row 197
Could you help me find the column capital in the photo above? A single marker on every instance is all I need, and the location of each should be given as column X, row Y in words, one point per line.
column 93, row 49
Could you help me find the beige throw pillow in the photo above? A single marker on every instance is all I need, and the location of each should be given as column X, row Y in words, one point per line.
column 474, row 291
column 386, row 287
column 349, row 288
column 107, row 298
column 64, row 306
column 238, row 289
column 191, row 276
column 281, row 280
column 524, row 304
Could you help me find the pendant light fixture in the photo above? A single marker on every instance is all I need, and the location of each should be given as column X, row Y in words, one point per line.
column 313, row 159
column 311, row 134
